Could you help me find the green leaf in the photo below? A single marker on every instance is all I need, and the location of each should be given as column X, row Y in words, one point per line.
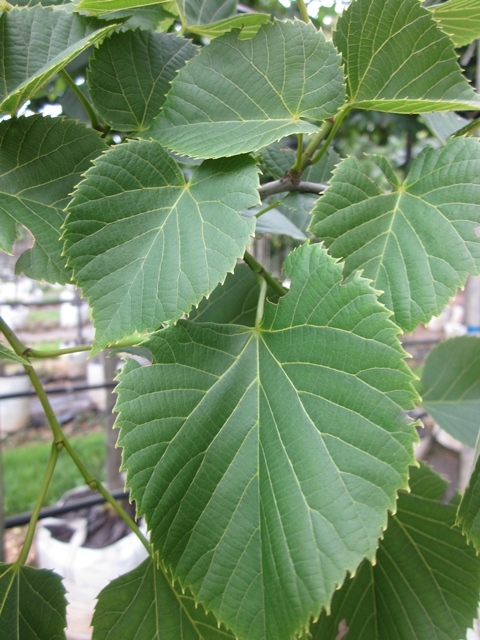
column 275, row 222
column 398, row 59
column 44, row 3
column 468, row 516
column 143, row 604
column 297, row 207
column 7, row 355
column 277, row 159
column 98, row 7
column 201, row 12
column 130, row 73
column 265, row 458
column 425, row 580
column 443, row 125
column 460, row 19
column 450, row 387
column 248, row 23
column 32, row 604
column 42, row 160
column 417, row 240
column 145, row 245
column 153, row 18
column 55, row 37
column 236, row 95
column 233, row 302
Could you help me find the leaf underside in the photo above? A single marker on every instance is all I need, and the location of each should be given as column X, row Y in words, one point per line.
column 425, row 580
column 398, row 59
column 130, row 73
column 460, row 19
column 143, row 604
column 209, row 114
column 32, row 604
column 417, row 241
column 234, row 302
column 42, row 160
column 451, row 387
column 264, row 459
column 145, row 245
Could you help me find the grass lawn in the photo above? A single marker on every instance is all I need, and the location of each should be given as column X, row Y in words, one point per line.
column 24, row 468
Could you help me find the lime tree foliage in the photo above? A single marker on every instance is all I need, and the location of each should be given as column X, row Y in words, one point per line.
column 265, row 438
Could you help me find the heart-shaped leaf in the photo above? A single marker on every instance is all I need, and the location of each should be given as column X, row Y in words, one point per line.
column 145, row 245
column 416, row 240
column 32, row 604
column 57, row 37
column 425, row 581
column 143, row 604
column 265, row 458
column 398, row 59
column 42, row 160
column 238, row 95
column 130, row 73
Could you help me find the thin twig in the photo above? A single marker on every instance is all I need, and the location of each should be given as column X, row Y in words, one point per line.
column 257, row 268
column 288, row 184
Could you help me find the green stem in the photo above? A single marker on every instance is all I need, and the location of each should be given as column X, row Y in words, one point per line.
column 81, row 97
column 16, row 344
column 302, row 7
column 53, row 353
column 22, row 558
column 60, row 440
column 261, row 302
column 269, row 208
column 313, row 145
column 96, row 485
column 298, row 161
column 257, row 268
column 332, row 134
